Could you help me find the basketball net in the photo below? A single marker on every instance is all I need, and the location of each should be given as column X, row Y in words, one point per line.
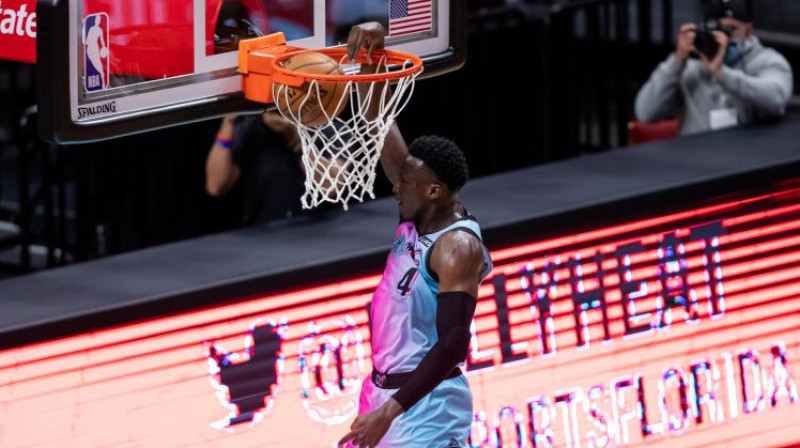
column 341, row 157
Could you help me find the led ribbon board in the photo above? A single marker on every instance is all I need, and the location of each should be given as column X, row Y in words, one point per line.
column 678, row 330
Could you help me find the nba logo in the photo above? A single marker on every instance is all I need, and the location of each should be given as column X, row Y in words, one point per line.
column 95, row 54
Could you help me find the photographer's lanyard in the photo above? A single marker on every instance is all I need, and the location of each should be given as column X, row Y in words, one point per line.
column 723, row 115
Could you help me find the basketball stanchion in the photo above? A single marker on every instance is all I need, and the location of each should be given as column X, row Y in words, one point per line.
column 342, row 113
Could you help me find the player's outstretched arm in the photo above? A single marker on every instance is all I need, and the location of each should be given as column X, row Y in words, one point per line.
column 371, row 36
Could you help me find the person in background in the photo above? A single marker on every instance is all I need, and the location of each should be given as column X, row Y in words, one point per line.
column 741, row 83
column 263, row 153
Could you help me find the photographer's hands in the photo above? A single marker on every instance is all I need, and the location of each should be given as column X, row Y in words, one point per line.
column 685, row 48
column 714, row 65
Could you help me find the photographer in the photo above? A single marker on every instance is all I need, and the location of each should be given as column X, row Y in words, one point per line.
column 261, row 152
column 719, row 75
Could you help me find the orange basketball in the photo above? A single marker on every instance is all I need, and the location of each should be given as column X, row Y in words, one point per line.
column 311, row 101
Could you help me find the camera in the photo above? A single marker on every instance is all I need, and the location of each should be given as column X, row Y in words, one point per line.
column 704, row 40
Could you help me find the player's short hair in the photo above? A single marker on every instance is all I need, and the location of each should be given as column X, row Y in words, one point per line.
column 443, row 157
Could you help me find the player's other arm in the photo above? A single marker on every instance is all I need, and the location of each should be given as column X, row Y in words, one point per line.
column 371, row 36
column 458, row 261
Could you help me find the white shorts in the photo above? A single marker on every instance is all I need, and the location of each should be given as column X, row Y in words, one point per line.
column 440, row 420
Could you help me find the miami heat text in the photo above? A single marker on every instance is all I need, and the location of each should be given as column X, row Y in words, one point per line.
column 648, row 301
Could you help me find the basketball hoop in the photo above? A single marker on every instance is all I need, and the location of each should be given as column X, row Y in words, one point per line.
column 340, row 156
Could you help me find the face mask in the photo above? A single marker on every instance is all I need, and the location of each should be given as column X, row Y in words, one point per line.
column 734, row 54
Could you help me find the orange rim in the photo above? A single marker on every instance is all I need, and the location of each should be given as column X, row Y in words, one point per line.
column 392, row 57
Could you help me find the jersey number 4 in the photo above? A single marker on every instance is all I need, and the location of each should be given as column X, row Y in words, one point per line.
column 405, row 284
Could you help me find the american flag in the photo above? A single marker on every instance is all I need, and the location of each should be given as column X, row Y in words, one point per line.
column 410, row 16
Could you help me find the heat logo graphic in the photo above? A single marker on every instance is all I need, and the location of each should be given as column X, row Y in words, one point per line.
column 96, row 52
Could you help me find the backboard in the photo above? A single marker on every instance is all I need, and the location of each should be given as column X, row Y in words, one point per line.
column 108, row 68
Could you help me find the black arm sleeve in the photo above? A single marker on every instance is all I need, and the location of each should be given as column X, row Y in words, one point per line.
column 453, row 318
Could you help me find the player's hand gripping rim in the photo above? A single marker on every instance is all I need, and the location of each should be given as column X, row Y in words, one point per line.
column 370, row 35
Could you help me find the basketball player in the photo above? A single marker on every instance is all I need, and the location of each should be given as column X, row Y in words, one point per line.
column 422, row 309
column 96, row 47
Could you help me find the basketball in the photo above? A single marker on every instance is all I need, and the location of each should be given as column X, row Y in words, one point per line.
column 304, row 102
column 104, row 52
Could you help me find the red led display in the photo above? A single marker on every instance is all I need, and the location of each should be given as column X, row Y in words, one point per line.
column 678, row 330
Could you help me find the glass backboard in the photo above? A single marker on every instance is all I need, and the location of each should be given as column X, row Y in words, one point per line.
column 114, row 67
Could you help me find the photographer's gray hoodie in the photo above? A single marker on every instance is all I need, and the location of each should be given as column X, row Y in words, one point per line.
column 760, row 85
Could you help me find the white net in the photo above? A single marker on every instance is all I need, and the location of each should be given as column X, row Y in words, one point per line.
column 341, row 155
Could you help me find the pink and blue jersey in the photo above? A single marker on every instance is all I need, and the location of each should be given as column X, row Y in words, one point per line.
column 404, row 304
